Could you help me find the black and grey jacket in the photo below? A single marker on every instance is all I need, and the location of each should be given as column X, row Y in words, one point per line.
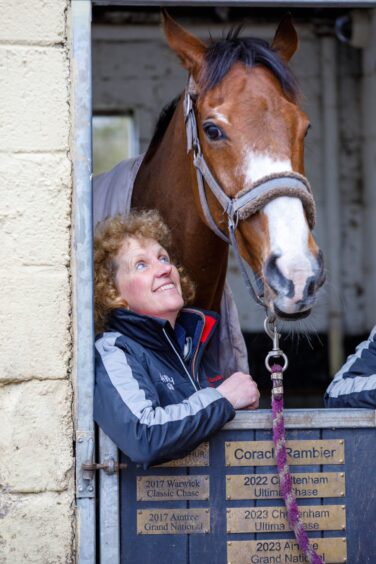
column 355, row 384
column 153, row 399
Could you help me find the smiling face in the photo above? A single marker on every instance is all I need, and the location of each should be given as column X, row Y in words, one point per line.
column 147, row 281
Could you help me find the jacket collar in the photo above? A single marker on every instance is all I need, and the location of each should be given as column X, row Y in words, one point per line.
column 198, row 324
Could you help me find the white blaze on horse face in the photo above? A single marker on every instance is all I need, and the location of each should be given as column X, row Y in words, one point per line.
column 288, row 229
column 221, row 117
column 288, row 235
column 256, row 165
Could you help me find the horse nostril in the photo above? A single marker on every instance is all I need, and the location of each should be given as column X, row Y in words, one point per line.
column 311, row 288
column 276, row 280
column 321, row 275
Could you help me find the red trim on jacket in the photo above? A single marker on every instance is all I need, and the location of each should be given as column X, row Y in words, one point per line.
column 209, row 324
column 212, row 380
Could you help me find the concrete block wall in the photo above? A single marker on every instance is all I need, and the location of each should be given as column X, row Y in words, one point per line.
column 36, row 422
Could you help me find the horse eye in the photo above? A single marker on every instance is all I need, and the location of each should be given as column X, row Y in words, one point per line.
column 213, row 132
column 307, row 130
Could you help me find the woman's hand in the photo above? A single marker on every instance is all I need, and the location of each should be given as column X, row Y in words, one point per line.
column 241, row 391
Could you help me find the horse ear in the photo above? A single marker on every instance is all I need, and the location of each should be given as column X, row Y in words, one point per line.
column 188, row 48
column 286, row 40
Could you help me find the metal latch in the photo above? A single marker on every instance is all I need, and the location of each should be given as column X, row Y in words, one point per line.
column 86, row 467
column 109, row 466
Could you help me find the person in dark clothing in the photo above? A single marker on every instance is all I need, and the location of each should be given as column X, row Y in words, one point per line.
column 354, row 385
column 158, row 393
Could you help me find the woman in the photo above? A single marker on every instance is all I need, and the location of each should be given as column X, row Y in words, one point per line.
column 157, row 393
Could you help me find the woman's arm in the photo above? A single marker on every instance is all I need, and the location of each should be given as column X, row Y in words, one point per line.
column 126, row 406
column 355, row 384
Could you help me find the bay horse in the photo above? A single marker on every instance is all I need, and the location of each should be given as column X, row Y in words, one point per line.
column 226, row 164
column 250, row 126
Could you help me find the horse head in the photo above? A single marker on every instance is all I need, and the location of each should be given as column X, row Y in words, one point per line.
column 251, row 130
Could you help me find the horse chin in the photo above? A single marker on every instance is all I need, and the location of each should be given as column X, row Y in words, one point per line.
column 286, row 307
column 291, row 316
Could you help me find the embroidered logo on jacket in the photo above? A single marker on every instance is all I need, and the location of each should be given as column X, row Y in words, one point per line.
column 168, row 380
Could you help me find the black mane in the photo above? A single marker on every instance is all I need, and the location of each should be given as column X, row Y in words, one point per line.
column 220, row 56
column 164, row 119
column 223, row 54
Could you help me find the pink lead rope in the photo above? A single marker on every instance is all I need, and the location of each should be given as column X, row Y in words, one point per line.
column 279, row 440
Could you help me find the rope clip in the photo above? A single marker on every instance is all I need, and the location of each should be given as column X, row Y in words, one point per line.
column 270, row 327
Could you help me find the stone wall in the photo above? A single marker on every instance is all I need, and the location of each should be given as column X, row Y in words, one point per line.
column 36, row 428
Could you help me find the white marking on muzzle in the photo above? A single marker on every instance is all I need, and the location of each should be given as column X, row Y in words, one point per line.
column 288, row 233
column 288, row 229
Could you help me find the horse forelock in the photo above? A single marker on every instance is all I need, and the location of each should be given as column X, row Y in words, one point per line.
column 222, row 54
column 220, row 57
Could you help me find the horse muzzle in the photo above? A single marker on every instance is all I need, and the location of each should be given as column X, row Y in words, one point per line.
column 292, row 296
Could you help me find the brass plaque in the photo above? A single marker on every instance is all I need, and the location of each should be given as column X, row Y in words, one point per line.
column 261, row 453
column 198, row 457
column 274, row 519
column 173, row 521
column 266, row 486
column 332, row 550
column 166, row 488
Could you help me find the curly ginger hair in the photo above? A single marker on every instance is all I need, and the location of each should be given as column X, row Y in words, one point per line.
column 109, row 237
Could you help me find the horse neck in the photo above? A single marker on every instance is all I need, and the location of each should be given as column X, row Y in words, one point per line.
column 165, row 182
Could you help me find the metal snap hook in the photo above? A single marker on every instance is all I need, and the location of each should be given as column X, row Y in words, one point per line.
column 272, row 332
column 276, row 354
column 269, row 326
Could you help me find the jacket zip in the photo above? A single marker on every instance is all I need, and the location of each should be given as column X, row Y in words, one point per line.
column 180, row 359
column 195, row 376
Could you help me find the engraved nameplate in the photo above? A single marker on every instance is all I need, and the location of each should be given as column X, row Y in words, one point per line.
column 166, row 488
column 274, row 519
column 266, row 486
column 332, row 550
column 261, row 453
column 173, row 521
column 198, row 457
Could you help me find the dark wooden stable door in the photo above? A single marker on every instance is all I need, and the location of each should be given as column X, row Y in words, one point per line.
column 159, row 506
